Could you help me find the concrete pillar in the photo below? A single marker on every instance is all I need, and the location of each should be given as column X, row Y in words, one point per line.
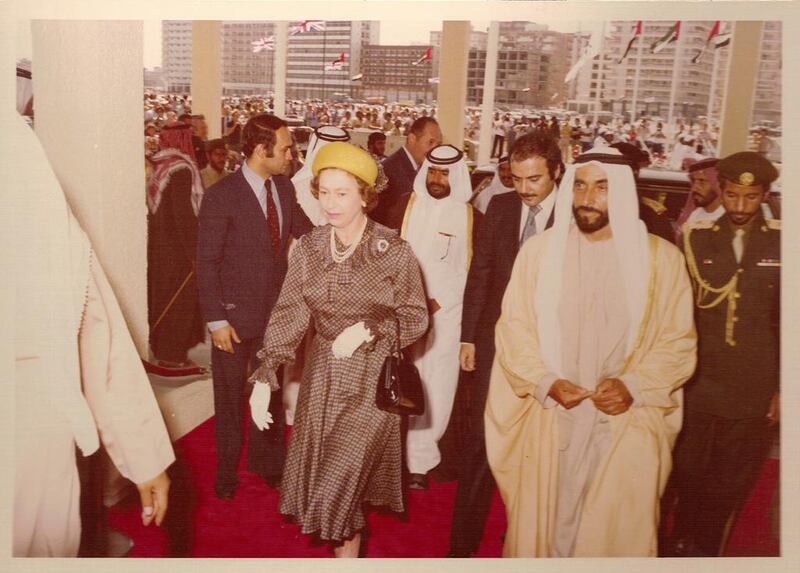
column 487, row 106
column 453, row 61
column 279, row 67
column 207, row 73
column 737, row 101
column 88, row 83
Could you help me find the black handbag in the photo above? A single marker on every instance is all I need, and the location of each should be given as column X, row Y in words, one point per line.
column 399, row 386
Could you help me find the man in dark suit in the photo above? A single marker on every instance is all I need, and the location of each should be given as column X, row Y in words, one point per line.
column 733, row 400
column 401, row 166
column 510, row 219
column 245, row 223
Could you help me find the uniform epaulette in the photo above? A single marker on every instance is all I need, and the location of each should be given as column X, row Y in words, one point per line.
column 704, row 224
column 654, row 205
column 774, row 224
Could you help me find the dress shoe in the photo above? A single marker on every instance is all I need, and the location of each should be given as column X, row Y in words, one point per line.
column 225, row 492
column 417, row 481
column 459, row 554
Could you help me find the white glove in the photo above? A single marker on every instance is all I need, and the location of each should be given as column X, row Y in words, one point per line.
column 259, row 406
column 350, row 339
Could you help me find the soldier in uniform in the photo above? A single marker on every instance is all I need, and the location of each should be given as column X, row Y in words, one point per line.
column 733, row 401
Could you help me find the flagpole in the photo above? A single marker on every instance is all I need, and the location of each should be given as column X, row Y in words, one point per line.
column 324, row 65
column 713, row 87
column 636, row 75
column 599, row 73
column 675, row 75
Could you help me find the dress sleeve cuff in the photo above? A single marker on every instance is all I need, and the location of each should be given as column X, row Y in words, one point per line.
column 216, row 325
column 633, row 389
column 543, row 388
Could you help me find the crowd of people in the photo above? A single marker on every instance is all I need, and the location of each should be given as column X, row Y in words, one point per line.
column 557, row 285
column 622, row 366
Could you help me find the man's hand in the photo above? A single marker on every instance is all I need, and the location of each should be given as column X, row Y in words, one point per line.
column 433, row 306
column 154, row 494
column 612, row 397
column 568, row 394
column 466, row 356
column 774, row 412
column 223, row 338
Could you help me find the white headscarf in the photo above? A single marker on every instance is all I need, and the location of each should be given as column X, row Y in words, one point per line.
column 302, row 179
column 630, row 242
column 430, row 217
column 496, row 187
column 50, row 266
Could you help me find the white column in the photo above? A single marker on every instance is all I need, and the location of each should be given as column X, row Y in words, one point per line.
column 207, row 73
column 453, row 61
column 487, row 105
column 279, row 67
column 88, row 83
column 737, row 100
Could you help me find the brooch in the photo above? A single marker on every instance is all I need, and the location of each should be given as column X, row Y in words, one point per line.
column 382, row 245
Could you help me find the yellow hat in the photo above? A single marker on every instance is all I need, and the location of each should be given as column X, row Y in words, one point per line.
column 348, row 158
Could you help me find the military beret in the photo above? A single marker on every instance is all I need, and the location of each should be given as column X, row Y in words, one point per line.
column 747, row 168
column 346, row 157
column 706, row 163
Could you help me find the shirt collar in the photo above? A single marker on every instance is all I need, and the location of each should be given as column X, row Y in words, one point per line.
column 253, row 179
column 411, row 159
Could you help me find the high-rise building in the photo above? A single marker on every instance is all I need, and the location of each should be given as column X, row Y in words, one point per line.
column 392, row 72
column 176, row 55
column 611, row 84
column 309, row 73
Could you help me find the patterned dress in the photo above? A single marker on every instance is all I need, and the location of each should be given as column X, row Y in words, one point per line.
column 344, row 451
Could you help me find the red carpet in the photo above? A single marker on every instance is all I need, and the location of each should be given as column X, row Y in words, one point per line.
column 200, row 525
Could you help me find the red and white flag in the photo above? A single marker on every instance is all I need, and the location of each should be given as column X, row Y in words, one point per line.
column 637, row 31
column 263, row 44
column 307, row 26
column 714, row 39
column 426, row 57
column 336, row 64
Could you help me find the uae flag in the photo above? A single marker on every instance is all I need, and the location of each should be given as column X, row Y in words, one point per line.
column 426, row 57
column 715, row 39
column 263, row 44
column 671, row 36
column 637, row 31
column 356, row 77
column 335, row 64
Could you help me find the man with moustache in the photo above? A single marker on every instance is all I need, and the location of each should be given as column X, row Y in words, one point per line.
column 497, row 185
column 217, row 153
column 438, row 223
column 535, row 166
column 732, row 403
column 705, row 200
column 595, row 338
column 245, row 223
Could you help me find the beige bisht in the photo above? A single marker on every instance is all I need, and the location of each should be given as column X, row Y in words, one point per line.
column 619, row 514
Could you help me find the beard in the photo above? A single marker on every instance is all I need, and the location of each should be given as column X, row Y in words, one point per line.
column 704, row 200
column 587, row 225
column 438, row 191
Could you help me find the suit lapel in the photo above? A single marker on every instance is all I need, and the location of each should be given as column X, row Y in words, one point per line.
column 251, row 209
column 512, row 219
column 285, row 198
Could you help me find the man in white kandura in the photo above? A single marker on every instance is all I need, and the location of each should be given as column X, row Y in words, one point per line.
column 595, row 339
column 438, row 224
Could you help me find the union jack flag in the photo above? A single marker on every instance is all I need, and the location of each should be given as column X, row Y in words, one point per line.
column 307, row 26
column 263, row 44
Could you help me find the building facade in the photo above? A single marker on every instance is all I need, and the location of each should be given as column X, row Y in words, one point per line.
column 390, row 72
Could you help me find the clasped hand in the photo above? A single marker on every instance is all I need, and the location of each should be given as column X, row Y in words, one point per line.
column 610, row 397
column 350, row 339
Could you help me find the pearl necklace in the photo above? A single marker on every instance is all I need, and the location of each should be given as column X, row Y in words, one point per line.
column 340, row 256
